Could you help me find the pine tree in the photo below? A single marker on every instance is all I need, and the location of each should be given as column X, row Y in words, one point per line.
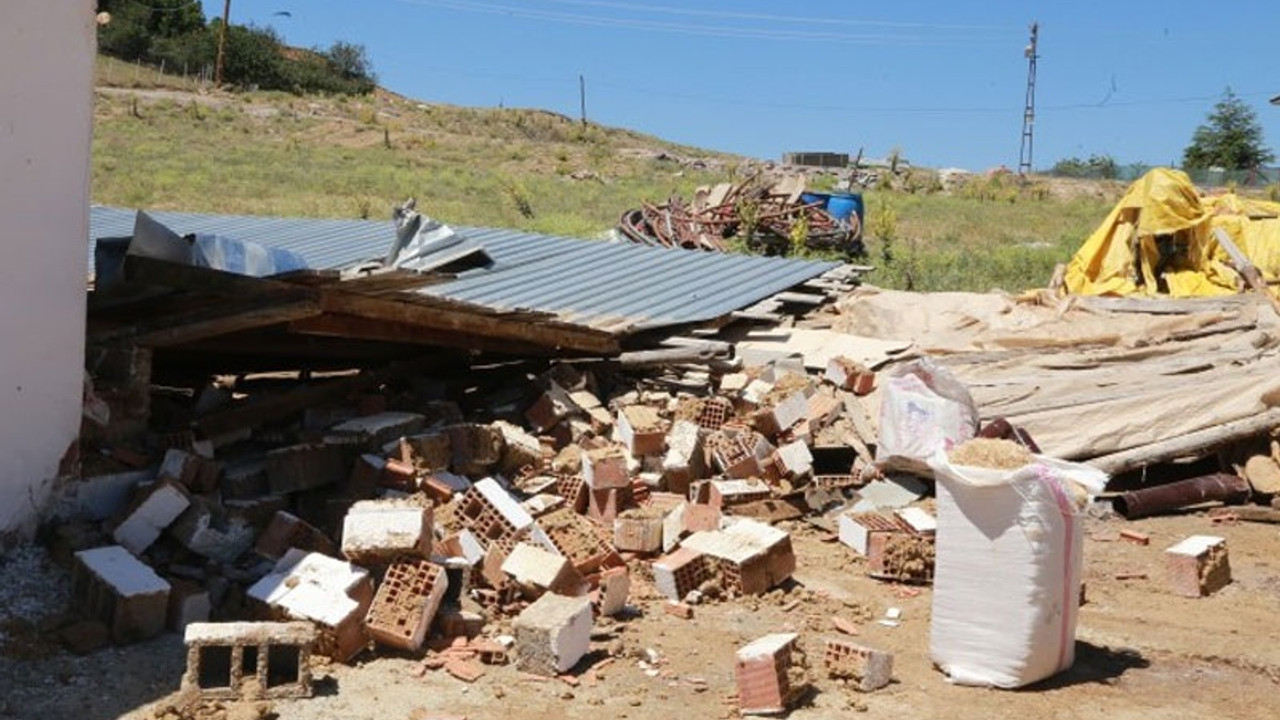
column 1230, row 138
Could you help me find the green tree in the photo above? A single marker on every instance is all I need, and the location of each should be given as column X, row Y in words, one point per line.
column 1097, row 166
column 1230, row 138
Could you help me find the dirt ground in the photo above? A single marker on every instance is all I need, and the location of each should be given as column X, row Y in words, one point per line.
column 1142, row 652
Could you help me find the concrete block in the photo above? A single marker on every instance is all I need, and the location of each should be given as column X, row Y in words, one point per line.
column 734, row 383
column 379, row 531
column 794, row 460
column 750, row 557
column 99, row 497
column 785, row 412
column 762, row 670
column 244, row 479
column 536, row 571
column 429, row 452
column 475, row 449
column 605, row 468
column 868, row 669
column 728, row 493
column 552, row 634
column 188, row 603
column 406, row 602
column 615, row 589
column 286, row 531
column 333, row 594
column 520, row 449
column 194, row 472
column 1198, row 566
column 640, row 429
column 222, row 657
column 638, row 530
column 112, row 586
column 685, row 460
column 209, row 531
column 550, row 408
column 678, row 573
column 673, row 527
column 303, row 467
column 154, row 510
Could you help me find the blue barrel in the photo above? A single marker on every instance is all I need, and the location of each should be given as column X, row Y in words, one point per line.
column 843, row 205
column 809, row 198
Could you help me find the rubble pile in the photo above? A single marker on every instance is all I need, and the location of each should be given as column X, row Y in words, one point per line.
column 392, row 518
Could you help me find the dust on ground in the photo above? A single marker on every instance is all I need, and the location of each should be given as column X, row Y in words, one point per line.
column 1141, row 651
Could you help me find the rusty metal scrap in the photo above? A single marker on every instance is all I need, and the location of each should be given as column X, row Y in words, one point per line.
column 753, row 210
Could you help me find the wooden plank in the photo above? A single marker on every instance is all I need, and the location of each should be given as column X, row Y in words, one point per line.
column 1252, row 276
column 1189, row 445
column 474, row 322
column 222, row 318
column 350, row 326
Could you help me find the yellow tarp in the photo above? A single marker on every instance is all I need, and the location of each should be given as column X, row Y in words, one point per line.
column 1163, row 228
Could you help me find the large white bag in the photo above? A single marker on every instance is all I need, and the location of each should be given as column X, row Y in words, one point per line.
column 1006, row 588
column 923, row 408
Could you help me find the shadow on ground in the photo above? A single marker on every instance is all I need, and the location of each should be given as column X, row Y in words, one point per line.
column 1094, row 664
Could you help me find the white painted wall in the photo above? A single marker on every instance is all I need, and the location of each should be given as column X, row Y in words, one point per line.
column 46, row 111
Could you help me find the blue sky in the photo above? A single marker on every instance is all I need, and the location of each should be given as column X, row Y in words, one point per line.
column 944, row 81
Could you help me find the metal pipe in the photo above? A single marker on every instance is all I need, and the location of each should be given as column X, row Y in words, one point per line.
column 1184, row 493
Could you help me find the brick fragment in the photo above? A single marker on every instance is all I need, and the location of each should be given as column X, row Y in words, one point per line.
column 1133, row 536
column 406, row 602
column 536, row 571
column 638, row 530
column 615, row 588
column 605, row 468
column 640, row 429
column 194, row 472
column 286, row 531
column 1198, row 566
column 869, row 669
column 303, row 467
column 761, row 668
column 684, row 611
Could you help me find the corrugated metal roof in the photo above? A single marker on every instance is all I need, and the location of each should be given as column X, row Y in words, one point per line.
column 615, row 286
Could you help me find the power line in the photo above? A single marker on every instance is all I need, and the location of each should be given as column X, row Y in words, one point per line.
column 690, row 29
column 635, row 7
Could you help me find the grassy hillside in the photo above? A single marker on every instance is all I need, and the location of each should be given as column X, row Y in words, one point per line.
column 162, row 142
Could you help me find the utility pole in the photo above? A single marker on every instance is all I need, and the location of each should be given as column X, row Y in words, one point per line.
column 222, row 43
column 582, row 96
column 1029, row 113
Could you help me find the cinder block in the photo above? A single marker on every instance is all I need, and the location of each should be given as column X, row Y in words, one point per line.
column 750, row 557
column 154, row 510
column 303, row 467
column 373, row 431
column 640, row 428
column 869, row 669
column 678, row 573
column 333, row 594
column 210, row 531
column 406, row 602
column 222, row 656
column 286, row 531
column 552, row 634
column 638, row 530
column 110, row 585
column 761, row 669
column 605, row 468
column 495, row 518
column 1198, row 566
column 379, row 531
column 615, row 588
column 728, row 493
column 536, row 571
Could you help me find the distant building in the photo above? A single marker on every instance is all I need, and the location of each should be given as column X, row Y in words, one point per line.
column 817, row 159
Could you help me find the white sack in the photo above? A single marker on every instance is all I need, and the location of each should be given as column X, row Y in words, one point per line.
column 923, row 409
column 1007, row 582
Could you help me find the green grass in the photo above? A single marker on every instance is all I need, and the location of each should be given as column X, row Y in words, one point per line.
column 351, row 157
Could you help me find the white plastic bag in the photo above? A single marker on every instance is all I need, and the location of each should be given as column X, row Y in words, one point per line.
column 923, row 408
column 1007, row 580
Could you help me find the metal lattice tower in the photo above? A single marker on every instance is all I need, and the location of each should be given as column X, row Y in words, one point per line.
column 1029, row 113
